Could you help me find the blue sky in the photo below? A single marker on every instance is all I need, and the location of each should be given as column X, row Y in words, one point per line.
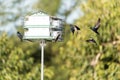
column 17, row 9
column 75, row 14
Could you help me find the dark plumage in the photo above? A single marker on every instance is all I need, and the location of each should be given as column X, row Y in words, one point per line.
column 20, row 36
column 57, row 37
column 96, row 27
column 91, row 40
column 74, row 28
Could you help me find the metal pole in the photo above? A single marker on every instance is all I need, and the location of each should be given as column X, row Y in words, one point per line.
column 42, row 44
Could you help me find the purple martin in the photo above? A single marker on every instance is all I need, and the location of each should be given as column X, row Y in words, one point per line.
column 96, row 27
column 91, row 40
column 20, row 35
column 57, row 37
column 74, row 28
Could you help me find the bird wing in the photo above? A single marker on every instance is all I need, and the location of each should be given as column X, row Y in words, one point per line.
column 94, row 41
column 77, row 27
column 57, row 37
column 91, row 40
column 87, row 40
column 97, row 25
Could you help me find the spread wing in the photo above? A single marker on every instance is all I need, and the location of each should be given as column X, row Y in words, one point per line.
column 77, row 27
column 57, row 37
column 97, row 25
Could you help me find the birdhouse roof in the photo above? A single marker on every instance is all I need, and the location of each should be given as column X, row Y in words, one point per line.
column 39, row 14
column 39, row 19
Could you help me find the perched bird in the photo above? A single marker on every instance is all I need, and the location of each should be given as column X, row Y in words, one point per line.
column 57, row 37
column 96, row 27
column 74, row 28
column 91, row 40
column 20, row 36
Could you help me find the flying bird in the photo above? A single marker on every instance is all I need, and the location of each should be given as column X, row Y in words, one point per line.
column 91, row 40
column 96, row 27
column 74, row 28
column 57, row 37
column 20, row 36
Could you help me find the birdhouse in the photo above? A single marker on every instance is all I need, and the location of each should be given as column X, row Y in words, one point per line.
column 41, row 26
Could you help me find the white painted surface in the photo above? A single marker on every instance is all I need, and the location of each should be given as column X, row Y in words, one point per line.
column 55, row 23
column 37, row 20
column 37, row 32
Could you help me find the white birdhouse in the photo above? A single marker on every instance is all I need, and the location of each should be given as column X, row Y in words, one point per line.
column 41, row 26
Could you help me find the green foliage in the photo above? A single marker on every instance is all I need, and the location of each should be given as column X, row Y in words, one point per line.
column 77, row 56
column 16, row 64
column 48, row 6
